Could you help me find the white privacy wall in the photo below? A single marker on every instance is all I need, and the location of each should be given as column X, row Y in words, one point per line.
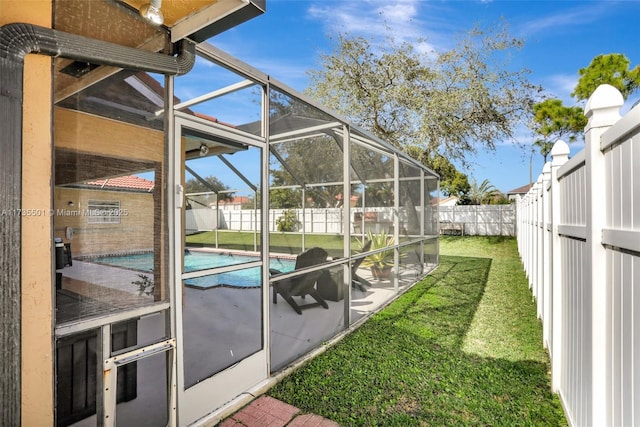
column 482, row 220
column 478, row 220
column 579, row 239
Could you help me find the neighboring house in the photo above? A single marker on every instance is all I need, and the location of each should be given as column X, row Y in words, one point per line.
column 353, row 201
column 518, row 193
column 449, row 201
column 235, row 203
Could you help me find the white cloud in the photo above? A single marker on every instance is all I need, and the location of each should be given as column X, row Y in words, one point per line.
column 291, row 70
column 398, row 12
column 375, row 19
column 585, row 14
column 522, row 137
column 292, row 74
column 561, row 85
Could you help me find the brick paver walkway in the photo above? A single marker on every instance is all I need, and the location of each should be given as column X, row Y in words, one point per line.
column 266, row 411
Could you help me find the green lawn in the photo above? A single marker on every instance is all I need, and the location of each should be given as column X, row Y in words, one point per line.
column 462, row 347
column 280, row 242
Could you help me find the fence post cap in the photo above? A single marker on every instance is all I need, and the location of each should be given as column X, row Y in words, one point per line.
column 603, row 106
column 559, row 152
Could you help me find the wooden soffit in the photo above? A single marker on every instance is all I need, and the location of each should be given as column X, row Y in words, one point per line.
column 201, row 19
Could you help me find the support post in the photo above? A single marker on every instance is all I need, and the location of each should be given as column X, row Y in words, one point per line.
column 602, row 111
column 546, row 255
column 559, row 156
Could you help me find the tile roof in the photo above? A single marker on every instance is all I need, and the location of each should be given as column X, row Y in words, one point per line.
column 442, row 201
column 234, row 200
column 520, row 190
column 129, row 182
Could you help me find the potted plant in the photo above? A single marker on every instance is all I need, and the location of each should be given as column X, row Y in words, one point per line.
column 381, row 262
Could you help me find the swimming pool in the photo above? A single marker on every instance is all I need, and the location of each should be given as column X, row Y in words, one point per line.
column 196, row 261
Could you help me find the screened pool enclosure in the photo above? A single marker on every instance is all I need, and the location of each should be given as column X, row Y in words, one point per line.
column 228, row 223
column 329, row 185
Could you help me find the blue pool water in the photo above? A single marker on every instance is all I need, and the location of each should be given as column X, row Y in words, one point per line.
column 196, row 261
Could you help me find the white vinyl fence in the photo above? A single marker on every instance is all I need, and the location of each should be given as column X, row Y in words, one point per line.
column 476, row 220
column 315, row 220
column 579, row 239
column 202, row 219
column 481, row 220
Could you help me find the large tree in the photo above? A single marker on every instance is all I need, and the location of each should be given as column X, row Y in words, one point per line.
column 310, row 162
column 306, row 162
column 452, row 181
column 211, row 185
column 613, row 69
column 452, row 103
column 553, row 121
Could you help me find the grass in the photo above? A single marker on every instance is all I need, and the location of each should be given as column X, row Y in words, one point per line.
column 280, row 242
column 462, row 347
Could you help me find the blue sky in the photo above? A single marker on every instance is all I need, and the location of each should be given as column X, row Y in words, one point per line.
column 560, row 38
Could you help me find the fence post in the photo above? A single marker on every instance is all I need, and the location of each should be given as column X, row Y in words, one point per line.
column 559, row 156
column 527, row 224
column 602, row 111
column 546, row 255
column 475, row 208
column 530, row 197
column 533, row 280
column 525, row 229
column 532, row 231
column 539, row 246
column 536, row 267
column 534, row 240
column 453, row 213
column 519, row 227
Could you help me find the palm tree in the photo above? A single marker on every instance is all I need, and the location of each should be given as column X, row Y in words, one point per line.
column 544, row 147
column 483, row 193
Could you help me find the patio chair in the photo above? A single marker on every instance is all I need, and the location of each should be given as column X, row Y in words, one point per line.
column 304, row 284
column 357, row 281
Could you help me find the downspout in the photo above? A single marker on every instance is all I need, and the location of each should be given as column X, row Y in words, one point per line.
column 16, row 41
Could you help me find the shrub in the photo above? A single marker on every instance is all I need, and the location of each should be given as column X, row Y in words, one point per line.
column 288, row 221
